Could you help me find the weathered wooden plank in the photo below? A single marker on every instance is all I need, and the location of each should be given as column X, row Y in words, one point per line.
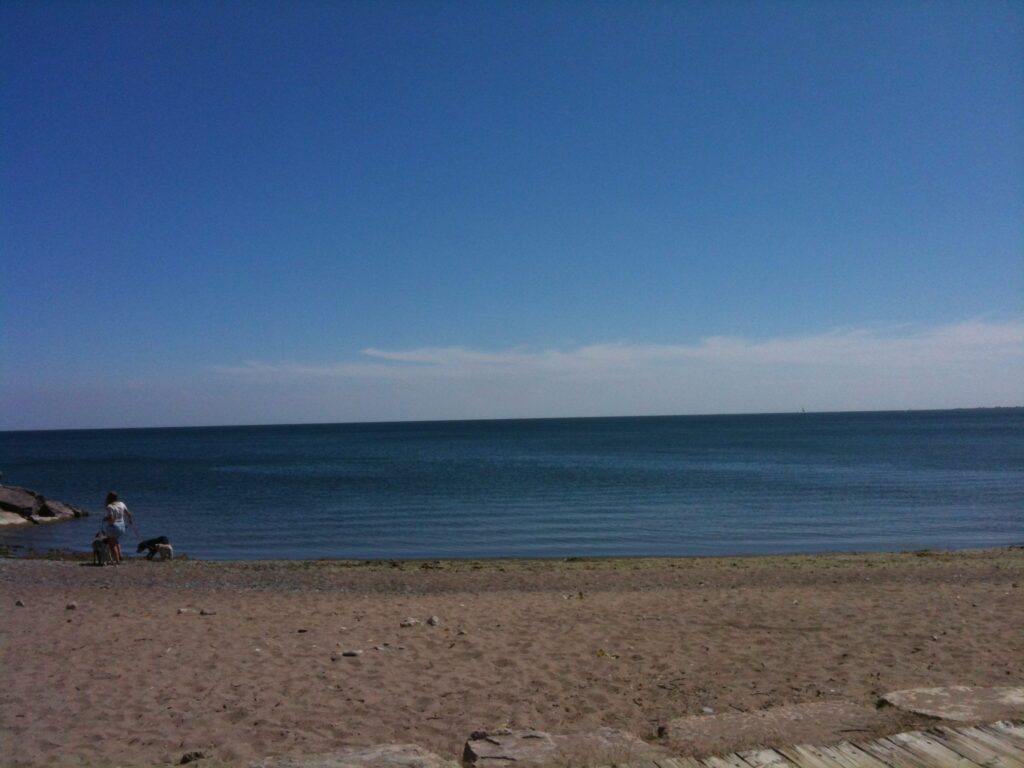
column 931, row 751
column 999, row 744
column 975, row 750
column 849, row 756
column 892, row 753
column 807, row 756
column 857, row 757
column 1012, row 726
column 1005, row 729
column 979, row 753
column 764, row 758
column 677, row 762
column 724, row 761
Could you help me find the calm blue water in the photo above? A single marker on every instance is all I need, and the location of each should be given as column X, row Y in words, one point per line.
column 554, row 487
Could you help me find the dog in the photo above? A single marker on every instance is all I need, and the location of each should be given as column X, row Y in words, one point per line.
column 165, row 551
column 101, row 554
column 151, row 545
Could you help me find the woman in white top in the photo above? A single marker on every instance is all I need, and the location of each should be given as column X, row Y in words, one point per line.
column 115, row 524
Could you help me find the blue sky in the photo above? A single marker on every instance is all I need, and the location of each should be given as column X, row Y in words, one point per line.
column 220, row 213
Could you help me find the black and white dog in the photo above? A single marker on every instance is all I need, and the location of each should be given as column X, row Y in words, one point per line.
column 161, row 545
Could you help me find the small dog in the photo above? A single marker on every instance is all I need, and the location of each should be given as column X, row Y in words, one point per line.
column 164, row 551
column 101, row 554
column 152, row 545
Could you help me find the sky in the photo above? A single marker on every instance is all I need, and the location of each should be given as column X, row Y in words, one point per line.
column 282, row 212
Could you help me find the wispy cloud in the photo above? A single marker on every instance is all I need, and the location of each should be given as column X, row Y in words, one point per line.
column 977, row 342
column 976, row 363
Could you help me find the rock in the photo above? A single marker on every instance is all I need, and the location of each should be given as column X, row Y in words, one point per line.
column 352, row 653
column 707, row 710
column 817, row 722
column 433, row 621
column 20, row 603
column 12, row 518
column 378, row 756
column 205, row 612
column 21, row 505
column 537, row 748
column 54, row 508
column 191, row 757
column 960, row 702
column 410, row 622
column 72, row 606
column 186, row 610
column 21, row 501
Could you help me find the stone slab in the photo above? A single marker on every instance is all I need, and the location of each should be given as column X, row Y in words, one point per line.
column 818, row 722
column 962, row 703
column 536, row 748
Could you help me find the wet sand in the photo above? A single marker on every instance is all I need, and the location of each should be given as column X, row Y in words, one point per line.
column 126, row 678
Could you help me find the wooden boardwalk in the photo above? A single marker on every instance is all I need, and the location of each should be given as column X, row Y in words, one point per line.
column 1000, row 745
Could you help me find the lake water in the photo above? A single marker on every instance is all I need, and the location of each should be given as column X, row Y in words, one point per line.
column 543, row 488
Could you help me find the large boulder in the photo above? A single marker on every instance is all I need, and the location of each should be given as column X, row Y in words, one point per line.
column 537, row 748
column 378, row 756
column 20, row 505
column 21, row 501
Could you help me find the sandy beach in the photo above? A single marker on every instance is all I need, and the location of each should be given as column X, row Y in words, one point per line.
column 246, row 660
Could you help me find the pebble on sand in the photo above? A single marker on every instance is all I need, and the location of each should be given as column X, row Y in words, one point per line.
column 348, row 654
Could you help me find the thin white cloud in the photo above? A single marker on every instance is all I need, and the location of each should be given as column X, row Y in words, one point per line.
column 976, row 363
column 933, row 350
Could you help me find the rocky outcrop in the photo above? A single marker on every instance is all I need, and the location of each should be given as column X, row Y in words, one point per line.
column 537, row 748
column 20, row 505
column 380, row 756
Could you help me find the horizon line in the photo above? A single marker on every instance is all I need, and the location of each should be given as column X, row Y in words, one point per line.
column 383, row 422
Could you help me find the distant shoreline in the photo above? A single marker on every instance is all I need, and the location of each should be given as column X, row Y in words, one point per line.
column 514, row 419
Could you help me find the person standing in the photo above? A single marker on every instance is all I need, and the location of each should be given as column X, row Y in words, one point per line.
column 115, row 524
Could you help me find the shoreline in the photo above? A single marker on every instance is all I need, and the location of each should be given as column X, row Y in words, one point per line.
column 24, row 552
column 564, row 646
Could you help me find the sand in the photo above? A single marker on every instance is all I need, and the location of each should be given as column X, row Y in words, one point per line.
column 563, row 646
